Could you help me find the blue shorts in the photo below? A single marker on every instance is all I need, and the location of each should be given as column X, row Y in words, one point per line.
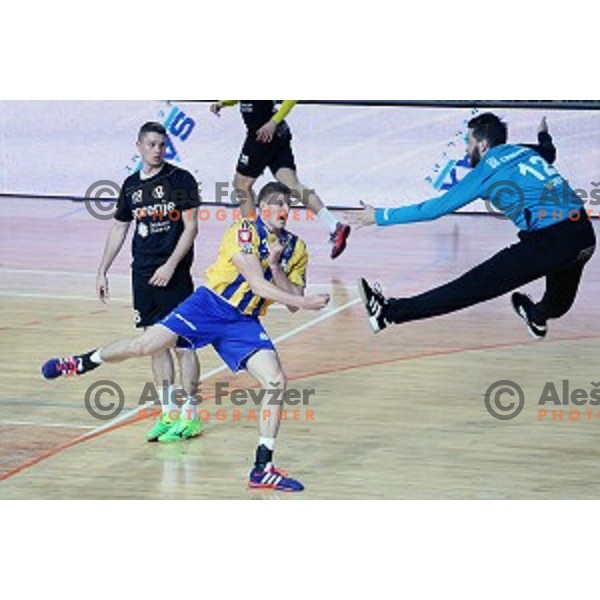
column 204, row 318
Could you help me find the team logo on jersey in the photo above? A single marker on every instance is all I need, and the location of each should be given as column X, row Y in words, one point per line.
column 158, row 193
column 244, row 159
column 142, row 230
column 137, row 197
column 245, row 237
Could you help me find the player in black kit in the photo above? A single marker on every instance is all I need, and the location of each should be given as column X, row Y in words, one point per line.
column 268, row 144
column 162, row 201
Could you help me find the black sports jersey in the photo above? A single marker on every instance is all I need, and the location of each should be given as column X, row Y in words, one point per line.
column 257, row 113
column 156, row 205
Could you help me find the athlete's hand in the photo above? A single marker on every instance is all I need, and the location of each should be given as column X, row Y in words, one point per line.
column 266, row 132
column 162, row 276
column 543, row 126
column 102, row 288
column 275, row 251
column 316, row 302
column 361, row 218
column 215, row 108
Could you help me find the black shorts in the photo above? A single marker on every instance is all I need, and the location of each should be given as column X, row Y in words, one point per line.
column 151, row 304
column 257, row 156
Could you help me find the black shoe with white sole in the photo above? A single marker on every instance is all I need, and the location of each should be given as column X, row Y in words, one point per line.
column 374, row 302
column 523, row 307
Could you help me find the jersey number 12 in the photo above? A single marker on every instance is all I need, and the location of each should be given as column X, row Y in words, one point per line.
column 541, row 170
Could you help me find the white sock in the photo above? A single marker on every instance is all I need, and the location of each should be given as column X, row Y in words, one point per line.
column 189, row 411
column 327, row 217
column 268, row 442
column 166, row 395
column 95, row 357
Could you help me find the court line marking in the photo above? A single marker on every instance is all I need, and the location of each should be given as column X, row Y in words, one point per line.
column 33, row 423
column 297, row 330
column 128, row 277
column 84, row 298
column 446, row 352
column 51, row 272
column 35, row 402
column 131, row 415
column 120, row 422
column 59, row 297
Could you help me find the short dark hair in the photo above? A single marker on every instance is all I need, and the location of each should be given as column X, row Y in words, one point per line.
column 489, row 127
column 274, row 187
column 151, row 127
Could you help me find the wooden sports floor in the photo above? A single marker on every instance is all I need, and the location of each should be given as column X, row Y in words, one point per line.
column 399, row 415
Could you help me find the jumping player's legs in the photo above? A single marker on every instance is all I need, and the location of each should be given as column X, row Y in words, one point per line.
column 561, row 291
column 509, row 269
column 245, row 193
column 251, row 164
column 338, row 231
column 562, row 282
column 308, row 197
column 538, row 254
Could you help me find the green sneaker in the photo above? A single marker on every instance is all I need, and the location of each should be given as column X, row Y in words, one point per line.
column 161, row 426
column 182, row 430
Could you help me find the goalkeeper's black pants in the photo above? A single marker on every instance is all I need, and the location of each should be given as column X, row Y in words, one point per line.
column 558, row 253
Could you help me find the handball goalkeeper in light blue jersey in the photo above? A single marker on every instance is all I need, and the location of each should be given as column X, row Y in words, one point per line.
column 556, row 238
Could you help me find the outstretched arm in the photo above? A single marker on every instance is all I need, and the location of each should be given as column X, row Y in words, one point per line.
column 469, row 189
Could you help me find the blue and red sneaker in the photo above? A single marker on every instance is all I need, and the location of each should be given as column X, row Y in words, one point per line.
column 272, row 478
column 66, row 367
column 339, row 238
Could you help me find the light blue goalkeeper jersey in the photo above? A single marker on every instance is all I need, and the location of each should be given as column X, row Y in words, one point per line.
column 516, row 181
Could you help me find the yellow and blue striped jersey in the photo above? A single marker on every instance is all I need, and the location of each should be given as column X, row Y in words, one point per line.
column 252, row 237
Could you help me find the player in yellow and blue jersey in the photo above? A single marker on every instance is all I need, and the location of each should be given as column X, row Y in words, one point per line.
column 259, row 263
